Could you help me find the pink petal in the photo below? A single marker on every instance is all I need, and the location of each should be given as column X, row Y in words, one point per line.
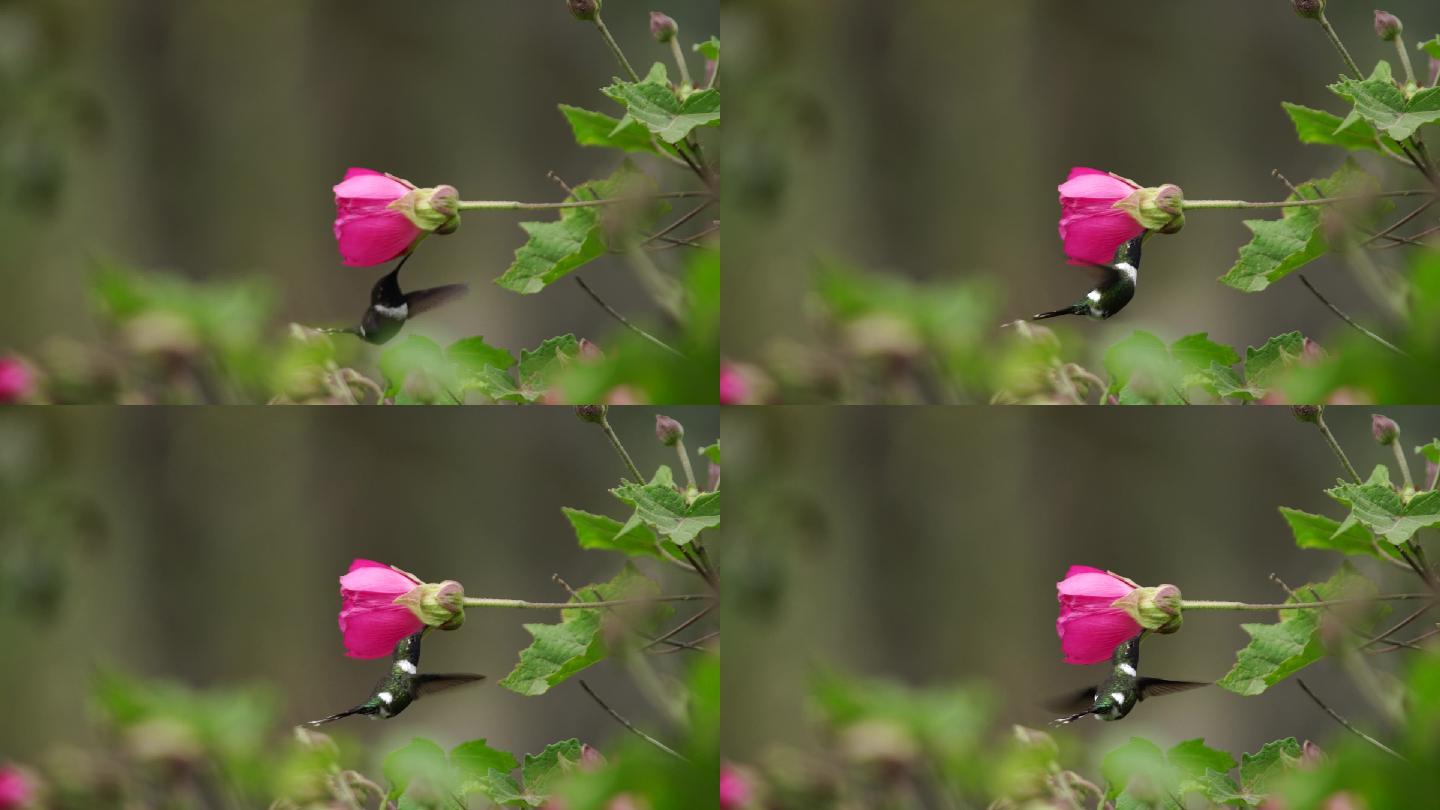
column 363, row 184
column 376, row 238
column 1089, row 184
column 1074, row 569
column 374, row 632
column 376, row 580
column 1093, row 584
column 1090, row 638
column 1093, row 236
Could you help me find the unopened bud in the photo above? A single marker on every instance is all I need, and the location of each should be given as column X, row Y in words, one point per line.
column 1384, row 429
column 668, row 431
column 590, row 758
column 662, row 27
column 435, row 210
column 437, row 604
column 1306, row 413
column 1311, row 352
column 590, row 351
column 590, row 413
column 1387, row 25
column 1157, row 609
column 584, row 9
column 1311, row 755
column 1161, row 208
column 1309, row 9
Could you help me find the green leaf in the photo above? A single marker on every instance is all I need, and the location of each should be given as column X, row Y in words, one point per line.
column 1280, row 246
column 1380, row 102
column 555, row 249
column 475, row 759
column 1137, row 758
column 1431, row 47
column 710, row 48
column 1141, row 370
column 654, row 104
column 1430, row 451
column 1277, row 651
column 1318, row 531
column 603, row 533
column 1226, row 383
column 543, row 770
column 561, row 650
column 422, row 764
column 670, row 513
column 417, row 361
column 1259, row 771
column 712, row 451
column 470, row 355
column 1221, row 789
column 1265, row 364
column 539, row 367
column 598, row 129
column 500, row 788
column 1318, row 126
column 1378, row 507
column 1197, row 352
column 1193, row 758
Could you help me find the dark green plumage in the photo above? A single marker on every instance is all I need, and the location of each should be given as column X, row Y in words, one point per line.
column 1114, row 289
column 1117, row 695
column 402, row 685
column 390, row 307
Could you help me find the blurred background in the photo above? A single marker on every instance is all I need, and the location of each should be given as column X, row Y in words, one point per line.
column 203, row 138
column 926, row 139
column 206, row 545
column 923, row 545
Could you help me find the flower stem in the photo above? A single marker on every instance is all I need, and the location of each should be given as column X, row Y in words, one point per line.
column 620, row 449
column 1334, row 40
column 481, row 601
column 1405, row 59
column 685, row 463
column 512, row 205
column 1200, row 204
column 615, row 48
column 685, row 69
column 1202, row 604
column 1335, row 446
column 1403, row 463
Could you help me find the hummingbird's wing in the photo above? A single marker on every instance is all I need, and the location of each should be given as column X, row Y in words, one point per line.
column 430, row 684
column 425, row 300
column 1072, row 701
column 1155, row 687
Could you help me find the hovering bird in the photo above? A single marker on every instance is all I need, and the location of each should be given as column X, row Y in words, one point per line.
column 1117, row 695
column 402, row 685
column 390, row 307
column 1114, row 288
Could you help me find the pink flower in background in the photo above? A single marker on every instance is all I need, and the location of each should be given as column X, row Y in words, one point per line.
column 369, row 618
column 367, row 228
column 15, row 788
column 1090, row 625
column 734, row 788
column 1090, row 224
column 15, row 380
column 734, row 388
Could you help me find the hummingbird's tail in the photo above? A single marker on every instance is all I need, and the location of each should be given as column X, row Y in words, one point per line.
column 1065, row 721
column 1074, row 309
column 332, row 718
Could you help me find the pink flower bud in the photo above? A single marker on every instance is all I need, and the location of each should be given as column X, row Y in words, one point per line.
column 1090, row 224
column 590, row 351
column 734, row 388
column 590, row 758
column 370, row 620
column 16, row 381
column 1309, row 9
column 16, row 790
column 734, row 788
column 1306, row 413
column 1090, row 625
column 1384, row 429
column 590, row 413
column 1387, row 25
column 584, row 9
column 662, row 27
column 668, row 431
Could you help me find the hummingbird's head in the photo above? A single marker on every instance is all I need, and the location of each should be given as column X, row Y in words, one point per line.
column 1111, row 705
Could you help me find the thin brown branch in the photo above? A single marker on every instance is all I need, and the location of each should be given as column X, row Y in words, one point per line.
column 627, row 724
column 1347, row 319
column 1346, row 723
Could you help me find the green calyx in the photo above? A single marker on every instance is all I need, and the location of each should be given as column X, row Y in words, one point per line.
column 437, row 604
column 1156, row 609
column 1158, row 209
column 433, row 210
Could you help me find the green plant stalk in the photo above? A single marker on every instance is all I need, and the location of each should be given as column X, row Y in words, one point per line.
column 615, row 48
column 685, row 69
column 685, row 463
column 481, row 601
column 512, row 205
column 1203, row 604
column 1335, row 446
column 1189, row 205
column 1339, row 46
column 1403, row 464
column 620, row 449
column 1405, row 59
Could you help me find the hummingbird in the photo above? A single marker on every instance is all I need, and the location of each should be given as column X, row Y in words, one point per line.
column 390, row 307
column 1117, row 695
column 1114, row 288
column 402, row 685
